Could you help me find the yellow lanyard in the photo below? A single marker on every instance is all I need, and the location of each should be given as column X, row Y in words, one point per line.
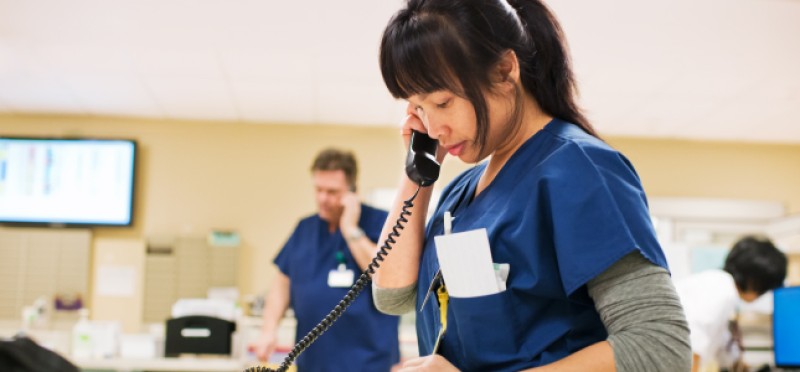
column 441, row 293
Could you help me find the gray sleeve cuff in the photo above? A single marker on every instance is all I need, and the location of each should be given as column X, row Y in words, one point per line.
column 640, row 308
column 395, row 301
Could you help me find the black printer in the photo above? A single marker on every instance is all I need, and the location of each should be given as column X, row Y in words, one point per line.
column 198, row 334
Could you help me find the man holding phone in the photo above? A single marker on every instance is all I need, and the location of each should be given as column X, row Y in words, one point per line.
column 318, row 264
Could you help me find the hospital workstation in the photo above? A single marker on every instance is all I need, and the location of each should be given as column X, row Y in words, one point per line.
column 155, row 158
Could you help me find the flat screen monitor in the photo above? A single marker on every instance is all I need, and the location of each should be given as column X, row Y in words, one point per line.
column 786, row 327
column 67, row 182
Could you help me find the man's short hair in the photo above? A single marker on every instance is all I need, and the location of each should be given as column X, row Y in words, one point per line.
column 332, row 159
column 756, row 265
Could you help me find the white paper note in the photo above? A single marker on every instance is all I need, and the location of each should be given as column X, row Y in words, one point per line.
column 116, row 281
column 466, row 263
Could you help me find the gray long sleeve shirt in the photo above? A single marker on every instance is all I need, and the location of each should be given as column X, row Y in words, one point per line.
column 637, row 303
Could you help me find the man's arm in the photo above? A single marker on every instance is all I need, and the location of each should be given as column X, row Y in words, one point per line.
column 361, row 247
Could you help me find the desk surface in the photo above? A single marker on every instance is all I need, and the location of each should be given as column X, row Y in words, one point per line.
column 164, row 364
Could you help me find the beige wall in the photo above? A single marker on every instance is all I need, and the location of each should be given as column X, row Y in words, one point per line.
column 253, row 178
column 716, row 169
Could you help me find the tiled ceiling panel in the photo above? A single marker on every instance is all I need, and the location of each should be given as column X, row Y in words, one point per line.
column 697, row 69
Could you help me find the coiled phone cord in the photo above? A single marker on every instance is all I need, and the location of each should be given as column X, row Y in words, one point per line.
column 351, row 295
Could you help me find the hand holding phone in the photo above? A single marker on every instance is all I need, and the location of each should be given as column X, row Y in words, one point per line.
column 421, row 164
column 351, row 211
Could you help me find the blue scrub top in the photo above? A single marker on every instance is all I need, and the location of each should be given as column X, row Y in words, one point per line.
column 563, row 209
column 363, row 339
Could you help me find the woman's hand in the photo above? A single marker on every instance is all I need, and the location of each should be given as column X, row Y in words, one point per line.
column 433, row 363
column 413, row 121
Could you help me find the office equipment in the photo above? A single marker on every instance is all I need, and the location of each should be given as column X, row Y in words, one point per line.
column 27, row 253
column 211, row 307
column 220, row 238
column 786, row 327
column 198, row 335
column 118, row 285
column 185, row 267
column 67, row 182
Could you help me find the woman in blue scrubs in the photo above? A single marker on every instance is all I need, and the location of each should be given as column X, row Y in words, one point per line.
column 587, row 286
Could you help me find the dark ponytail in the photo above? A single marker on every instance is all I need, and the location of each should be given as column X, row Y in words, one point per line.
column 546, row 68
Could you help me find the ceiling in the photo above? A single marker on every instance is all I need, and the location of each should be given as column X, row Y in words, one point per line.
column 696, row 69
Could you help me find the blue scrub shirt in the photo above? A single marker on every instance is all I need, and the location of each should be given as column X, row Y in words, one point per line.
column 363, row 339
column 563, row 209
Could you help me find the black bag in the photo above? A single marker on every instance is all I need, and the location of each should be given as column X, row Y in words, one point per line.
column 21, row 354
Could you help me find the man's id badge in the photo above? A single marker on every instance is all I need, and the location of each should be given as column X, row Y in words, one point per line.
column 342, row 277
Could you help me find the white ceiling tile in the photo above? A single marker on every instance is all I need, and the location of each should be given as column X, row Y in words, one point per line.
column 119, row 95
column 38, row 93
column 193, row 97
column 618, row 92
column 356, row 104
column 280, row 65
column 82, row 59
column 343, row 67
column 755, row 111
column 13, row 59
column 266, row 101
column 177, row 62
column 684, row 68
column 271, row 24
column 361, row 21
column 687, row 103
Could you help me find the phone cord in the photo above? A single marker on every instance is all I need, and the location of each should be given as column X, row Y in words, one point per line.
column 351, row 295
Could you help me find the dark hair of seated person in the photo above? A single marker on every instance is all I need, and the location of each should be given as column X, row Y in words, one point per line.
column 756, row 265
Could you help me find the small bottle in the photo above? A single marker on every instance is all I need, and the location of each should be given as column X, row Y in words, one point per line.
column 42, row 312
column 82, row 346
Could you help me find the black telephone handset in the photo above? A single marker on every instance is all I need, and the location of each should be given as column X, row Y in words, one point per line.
column 421, row 164
column 422, row 168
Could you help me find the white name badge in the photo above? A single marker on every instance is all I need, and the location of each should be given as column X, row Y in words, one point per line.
column 341, row 277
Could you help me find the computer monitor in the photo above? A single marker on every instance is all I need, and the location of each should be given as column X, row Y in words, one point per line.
column 786, row 327
column 67, row 181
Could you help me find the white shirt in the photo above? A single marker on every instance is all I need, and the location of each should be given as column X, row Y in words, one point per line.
column 709, row 300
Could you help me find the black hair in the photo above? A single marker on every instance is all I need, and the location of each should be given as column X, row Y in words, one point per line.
column 454, row 45
column 756, row 265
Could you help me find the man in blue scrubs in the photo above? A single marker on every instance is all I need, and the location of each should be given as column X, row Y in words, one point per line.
column 318, row 264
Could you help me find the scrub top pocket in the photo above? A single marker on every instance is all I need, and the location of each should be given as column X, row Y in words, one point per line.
column 487, row 329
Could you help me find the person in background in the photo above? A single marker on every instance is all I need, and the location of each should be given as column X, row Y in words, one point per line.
column 318, row 264
column 587, row 287
column 710, row 299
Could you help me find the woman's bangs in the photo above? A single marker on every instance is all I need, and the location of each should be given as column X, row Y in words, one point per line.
column 413, row 62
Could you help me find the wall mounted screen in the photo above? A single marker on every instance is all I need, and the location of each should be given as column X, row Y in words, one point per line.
column 66, row 182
